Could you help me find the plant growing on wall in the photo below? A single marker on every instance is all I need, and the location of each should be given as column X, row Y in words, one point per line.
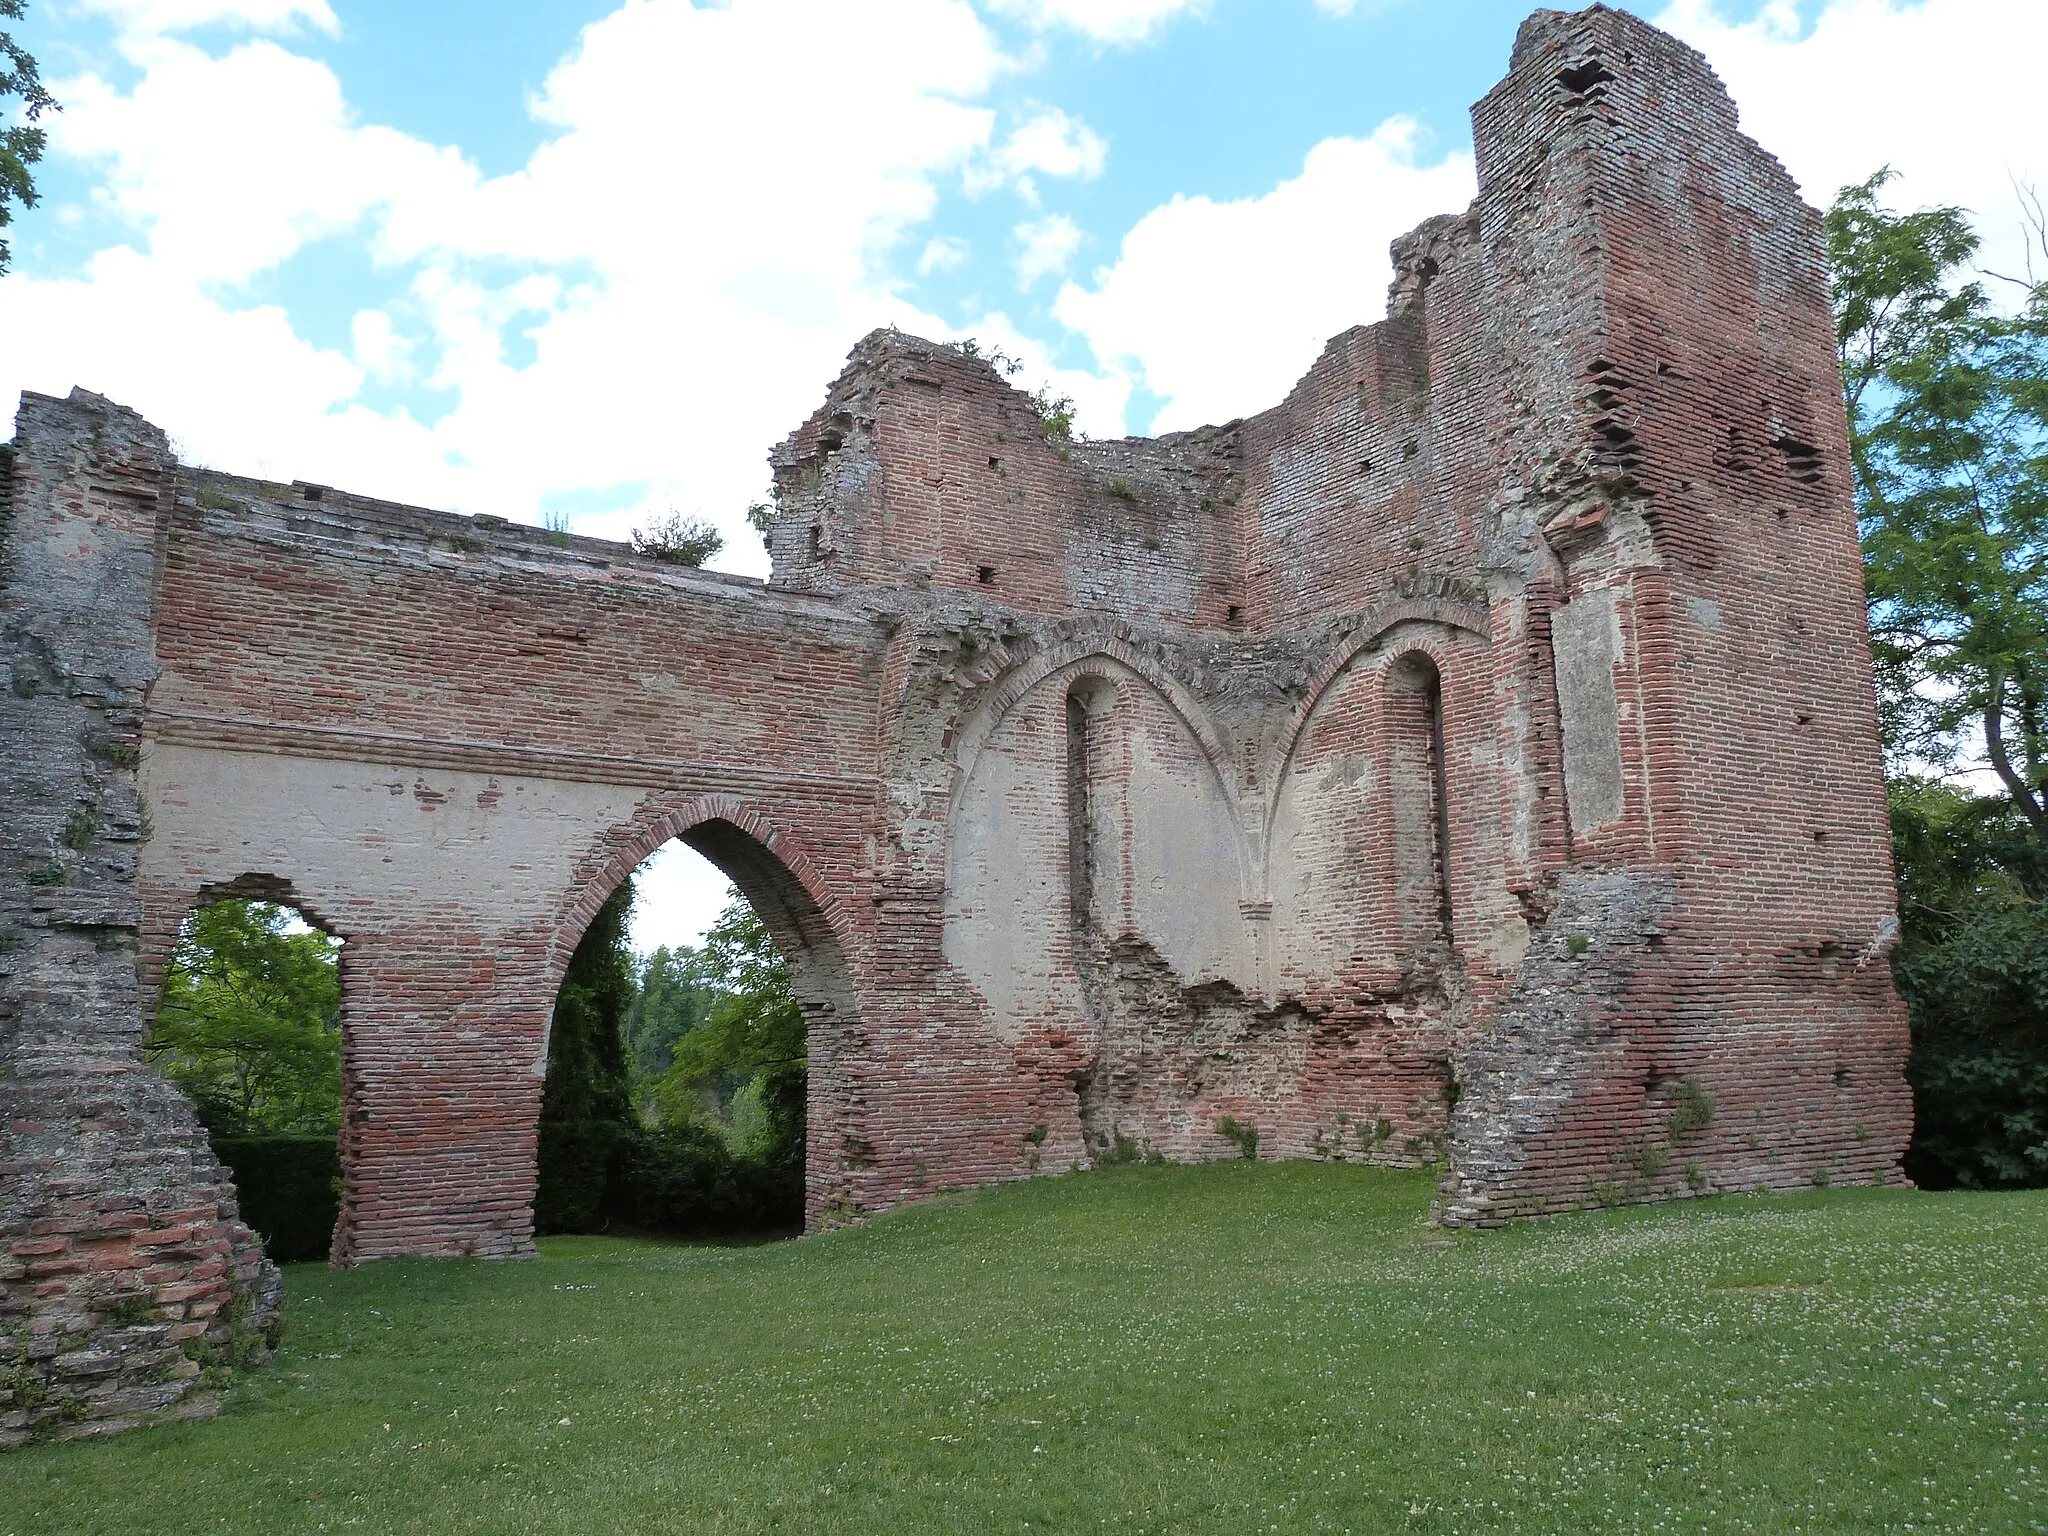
column 678, row 540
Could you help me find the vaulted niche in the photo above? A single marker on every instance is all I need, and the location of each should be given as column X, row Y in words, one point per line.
column 1421, row 810
column 1088, row 704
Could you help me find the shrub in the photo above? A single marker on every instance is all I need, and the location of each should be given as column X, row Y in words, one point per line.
column 683, row 1179
column 289, row 1189
column 678, row 540
column 1973, row 969
column 1055, row 413
column 1246, row 1137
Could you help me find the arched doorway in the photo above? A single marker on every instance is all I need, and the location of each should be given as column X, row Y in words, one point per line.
column 678, row 1079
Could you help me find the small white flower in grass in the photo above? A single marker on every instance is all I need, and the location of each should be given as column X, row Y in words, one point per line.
column 561, row 1421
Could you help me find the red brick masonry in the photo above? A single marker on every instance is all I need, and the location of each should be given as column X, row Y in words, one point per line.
column 1471, row 760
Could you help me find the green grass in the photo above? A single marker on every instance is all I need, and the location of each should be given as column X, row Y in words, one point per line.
column 1244, row 1347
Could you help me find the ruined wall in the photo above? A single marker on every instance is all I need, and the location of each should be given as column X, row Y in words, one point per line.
column 126, row 1280
column 1470, row 760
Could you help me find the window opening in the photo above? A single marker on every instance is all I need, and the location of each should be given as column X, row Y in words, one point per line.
column 1080, row 871
column 1421, row 802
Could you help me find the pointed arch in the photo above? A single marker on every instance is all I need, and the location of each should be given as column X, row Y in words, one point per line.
column 768, row 865
column 997, row 698
column 1442, row 624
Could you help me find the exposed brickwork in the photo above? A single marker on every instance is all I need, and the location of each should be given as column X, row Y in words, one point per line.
column 1470, row 760
column 122, row 1264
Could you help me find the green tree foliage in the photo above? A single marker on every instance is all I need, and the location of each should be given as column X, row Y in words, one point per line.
column 1973, row 968
column 1948, row 416
column 21, row 146
column 673, row 1000
column 745, row 1067
column 586, row 1109
column 719, row 1041
column 249, row 1021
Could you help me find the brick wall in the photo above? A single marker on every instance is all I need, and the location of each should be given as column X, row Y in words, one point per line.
column 124, row 1272
column 1471, row 760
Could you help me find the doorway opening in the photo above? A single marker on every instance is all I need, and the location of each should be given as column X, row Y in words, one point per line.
column 248, row 1024
column 678, row 1083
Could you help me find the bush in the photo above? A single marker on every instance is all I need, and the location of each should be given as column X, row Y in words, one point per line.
column 289, row 1189
column 683, row 1179
column 579, row 1163
column 678, row 540
column 1973, row 969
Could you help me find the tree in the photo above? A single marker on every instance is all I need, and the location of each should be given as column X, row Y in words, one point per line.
column 751, row 1051
column 1948, row 417
column 249, row 1023
column 672, row 1001
column 22, row 145
column 586, row 1106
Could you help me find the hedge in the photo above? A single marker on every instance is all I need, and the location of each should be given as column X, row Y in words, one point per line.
column 289, row 1188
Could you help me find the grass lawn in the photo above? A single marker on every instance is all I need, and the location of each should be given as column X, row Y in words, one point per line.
column 1241, row 1348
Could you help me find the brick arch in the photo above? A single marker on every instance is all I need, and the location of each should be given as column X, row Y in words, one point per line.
column 784, row 885
column 163, row 918
column 1000, row 696
column 1450, row 623
column 746, row 845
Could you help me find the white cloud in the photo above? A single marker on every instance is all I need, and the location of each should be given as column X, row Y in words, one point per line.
column 229, row 165
column 652, row 301
column 1336, row 7
column 1046, row 247
column 380, row 351
column 1106, row 21
column 945, row 253
column 160, row 16
column 1049, row 142
column 677, row 895
column 1220, row 307
column 1948, row 92
column 1058, row 145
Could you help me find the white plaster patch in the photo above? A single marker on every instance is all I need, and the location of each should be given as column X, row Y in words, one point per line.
column 1586, row 639
column 358, row 836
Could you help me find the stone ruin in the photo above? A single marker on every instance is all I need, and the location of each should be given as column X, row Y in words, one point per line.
column 1470, row 761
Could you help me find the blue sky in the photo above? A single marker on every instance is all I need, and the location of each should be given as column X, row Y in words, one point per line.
column 593, row 259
